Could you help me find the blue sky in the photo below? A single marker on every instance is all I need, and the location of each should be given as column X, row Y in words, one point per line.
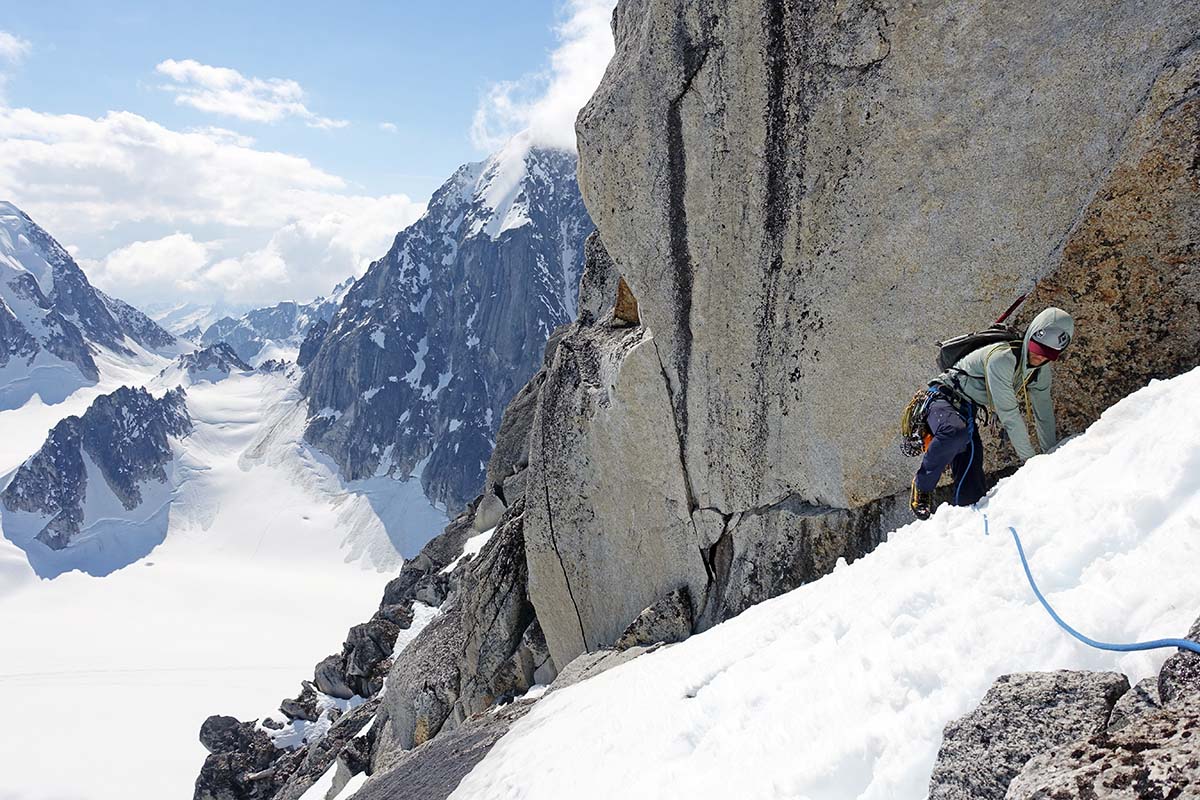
column 422, row 66
column 265, row 149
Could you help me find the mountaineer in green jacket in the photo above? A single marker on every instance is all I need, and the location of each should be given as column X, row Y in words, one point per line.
column 996, row 377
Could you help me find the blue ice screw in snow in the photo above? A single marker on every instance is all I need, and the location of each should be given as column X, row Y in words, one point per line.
column 1183, row 644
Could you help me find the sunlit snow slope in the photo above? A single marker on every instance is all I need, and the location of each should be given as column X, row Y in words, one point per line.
column 841, row 688
column 268, row 560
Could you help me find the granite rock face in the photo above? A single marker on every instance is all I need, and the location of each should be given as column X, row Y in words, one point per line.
column 764, row 552
column 605, row 484
column 1155, row 756
column 1021, row 716
column 432, row 342
column 1149, row 750
column 794, row 193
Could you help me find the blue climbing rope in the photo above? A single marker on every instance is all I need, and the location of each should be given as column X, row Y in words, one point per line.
column 1184, row 644
column 971, row 460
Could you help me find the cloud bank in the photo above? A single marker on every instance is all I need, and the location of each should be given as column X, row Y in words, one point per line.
column 13, row 50
column 218, row 219
column 547, row 103
column 225, row 91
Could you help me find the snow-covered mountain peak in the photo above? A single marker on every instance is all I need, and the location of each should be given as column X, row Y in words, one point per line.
column 26, row 248
column 513, row 179
column 431, row 343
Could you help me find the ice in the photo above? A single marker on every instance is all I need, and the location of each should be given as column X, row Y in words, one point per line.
column 841, row 688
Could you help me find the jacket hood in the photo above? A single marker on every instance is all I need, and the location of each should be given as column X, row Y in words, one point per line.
column 1050, row 318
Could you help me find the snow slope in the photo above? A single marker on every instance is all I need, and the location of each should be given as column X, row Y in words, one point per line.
column 841, row 688
column 268, row 559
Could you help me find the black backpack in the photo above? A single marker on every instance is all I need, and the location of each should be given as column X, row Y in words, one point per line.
column 951, row 350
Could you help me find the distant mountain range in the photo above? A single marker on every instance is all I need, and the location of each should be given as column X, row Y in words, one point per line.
column 277, row 331
column 52, row 319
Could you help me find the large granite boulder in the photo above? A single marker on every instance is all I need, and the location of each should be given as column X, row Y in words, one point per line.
column 423, row 685
column 609, row 530
column 239, row 764
column 1179, row 677
column 667, row 621
column 1021, row 716
column 1155, row 756
column 804, row 197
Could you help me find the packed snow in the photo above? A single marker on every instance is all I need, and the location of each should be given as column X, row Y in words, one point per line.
column 268, row 559
column 841, row 688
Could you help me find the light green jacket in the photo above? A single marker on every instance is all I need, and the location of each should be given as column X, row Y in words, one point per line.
column 992, row 377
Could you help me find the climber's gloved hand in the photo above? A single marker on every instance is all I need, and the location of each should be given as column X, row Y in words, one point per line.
column 921, row 503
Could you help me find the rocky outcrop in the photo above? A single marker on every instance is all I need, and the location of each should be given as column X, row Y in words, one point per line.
column 1155, row 756
column 1043, row 736
column 1021, row 716
column 212, row 363
column 667, row 621
column 1179, row 678
column 763, row 552
column 123, row 441
column 1143, row 697
column 239, row 754
column 505, row 478
column 484, row 647
column 784, row 193
column 433, row 770
column 434, row 340
column 311, row 343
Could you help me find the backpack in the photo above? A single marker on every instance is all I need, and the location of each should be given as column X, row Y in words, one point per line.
column 954, row 348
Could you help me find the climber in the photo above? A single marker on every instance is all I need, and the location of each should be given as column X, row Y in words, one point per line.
column 990, row 380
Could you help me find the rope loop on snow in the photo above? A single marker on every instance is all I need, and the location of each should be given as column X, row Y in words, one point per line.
column 1183, row 644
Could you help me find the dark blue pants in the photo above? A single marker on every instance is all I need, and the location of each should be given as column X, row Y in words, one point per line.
column 955, row 443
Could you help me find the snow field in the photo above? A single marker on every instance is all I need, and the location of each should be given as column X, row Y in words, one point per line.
column 841, row 688
column 269, row 559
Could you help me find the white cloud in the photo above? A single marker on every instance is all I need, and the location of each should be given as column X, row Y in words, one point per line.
column 389, row 127
column 547, row 103
column 161, row 212
column 221, row 90
column 165, row 265
column 13, row 48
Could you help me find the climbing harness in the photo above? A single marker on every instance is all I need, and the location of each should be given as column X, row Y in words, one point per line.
column 1184, row 644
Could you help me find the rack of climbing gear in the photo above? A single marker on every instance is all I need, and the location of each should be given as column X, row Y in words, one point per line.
column 914, row 432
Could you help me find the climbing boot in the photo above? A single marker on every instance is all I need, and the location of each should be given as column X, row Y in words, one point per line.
column 921, row 502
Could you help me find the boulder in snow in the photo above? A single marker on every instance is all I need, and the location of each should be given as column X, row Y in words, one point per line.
column 1022, row 715
column 669, row 620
